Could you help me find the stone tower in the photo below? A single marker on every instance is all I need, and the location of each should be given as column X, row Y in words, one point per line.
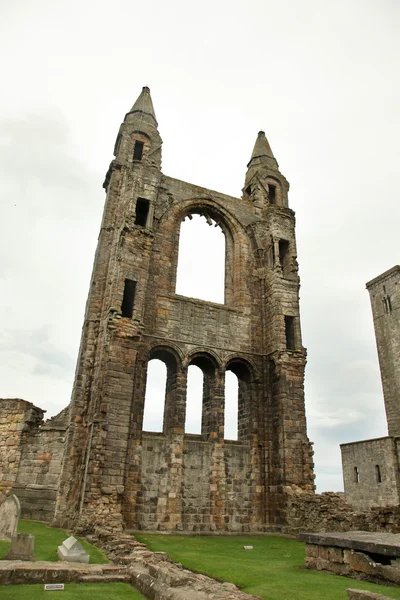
column 115, row 471
column 384, row 293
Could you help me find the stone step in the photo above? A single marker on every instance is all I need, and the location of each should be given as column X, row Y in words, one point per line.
column 113, row 569
column 109, row 578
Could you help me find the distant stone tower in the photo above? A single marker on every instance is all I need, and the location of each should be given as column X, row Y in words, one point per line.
column 371, row 468
column 384, row 292
column 115, row 472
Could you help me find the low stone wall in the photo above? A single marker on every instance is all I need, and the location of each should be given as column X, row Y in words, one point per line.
column 350, row 563
column 154, row 574
column 365, row 595
column 329, row 512
column 357, row 554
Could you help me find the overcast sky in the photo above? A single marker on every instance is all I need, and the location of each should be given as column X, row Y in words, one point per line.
column 321, row 78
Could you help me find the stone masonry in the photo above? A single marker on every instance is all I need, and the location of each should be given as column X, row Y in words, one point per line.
column 113, row 470
column 371, row 468
column 31, row 454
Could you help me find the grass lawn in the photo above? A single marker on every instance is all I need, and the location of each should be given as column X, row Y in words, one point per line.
column 274, row 570
column 72, row 591
column 46, row 541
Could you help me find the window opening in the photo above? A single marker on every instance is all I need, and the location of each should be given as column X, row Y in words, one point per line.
column 201, row 260
column 231, row 406
column 248, row 190
column 387, row 303
column 194, row 400
column 272, row 193
column 138, row 150
column 154, row 402
column 117, row 144
column 289, row 331
column 128, row 298
column 356, row 475
column 142, row 211
column 378, row 474
column 284, row 256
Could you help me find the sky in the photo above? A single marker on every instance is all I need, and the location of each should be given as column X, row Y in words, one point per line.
column 320, row 78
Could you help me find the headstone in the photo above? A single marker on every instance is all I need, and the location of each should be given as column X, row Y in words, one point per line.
column 248, row 547
column 22, row 547
column 10, row 510
column 72, row 551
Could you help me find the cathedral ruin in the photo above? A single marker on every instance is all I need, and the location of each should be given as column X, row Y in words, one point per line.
column 111, row 469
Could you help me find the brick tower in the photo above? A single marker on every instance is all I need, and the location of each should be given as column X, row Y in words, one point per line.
column 384, row 293
column 115, row 471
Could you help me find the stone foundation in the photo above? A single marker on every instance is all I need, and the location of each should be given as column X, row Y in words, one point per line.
column 358, row 554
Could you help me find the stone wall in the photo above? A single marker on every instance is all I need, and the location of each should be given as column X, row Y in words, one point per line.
column 197, row 484
column 330, row 512
column 31, row 456
column 17, row 418
column 371, row 473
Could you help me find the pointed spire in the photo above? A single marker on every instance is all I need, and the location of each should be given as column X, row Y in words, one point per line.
column 263, row 163
column 262, row 150
column 144, row 105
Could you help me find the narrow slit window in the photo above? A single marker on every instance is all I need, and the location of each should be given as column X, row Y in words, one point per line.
column 248, row 190
column 356, row 475
column 128, row 299
column 142, row 212
column 272, row 193
column 284, row 256
column 378, row 474
column 289, row 331
column 138, row 150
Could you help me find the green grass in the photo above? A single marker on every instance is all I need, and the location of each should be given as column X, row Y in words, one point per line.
column 46, row 541
column 274, row 570
column 72, row 591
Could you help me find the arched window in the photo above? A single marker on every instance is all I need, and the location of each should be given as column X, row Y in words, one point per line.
column 231, row 406
column 154, row 403
column 194, row 400
column 209, row 415
column 201, row 259
column 238, row 373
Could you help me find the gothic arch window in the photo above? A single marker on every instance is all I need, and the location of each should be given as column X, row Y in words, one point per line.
column 154, row 402
column 209, row 399
column 194, row 399
column 231, row 406
column 240, row 369
column 162, row 371
column 201, row 259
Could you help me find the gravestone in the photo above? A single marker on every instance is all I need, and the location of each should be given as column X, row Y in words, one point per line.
column 10, row 510
column 22, row 547
column 72, row 551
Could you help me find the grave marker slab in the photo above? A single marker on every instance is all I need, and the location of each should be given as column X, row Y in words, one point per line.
column 22, row 547
column 10, row 510
column 72, row 551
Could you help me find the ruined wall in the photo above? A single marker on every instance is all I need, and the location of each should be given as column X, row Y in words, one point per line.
column 112, row 468
column 31, row 456
column 330, row 512
column 240, row 511
column 371, row 473
column 17, row 418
